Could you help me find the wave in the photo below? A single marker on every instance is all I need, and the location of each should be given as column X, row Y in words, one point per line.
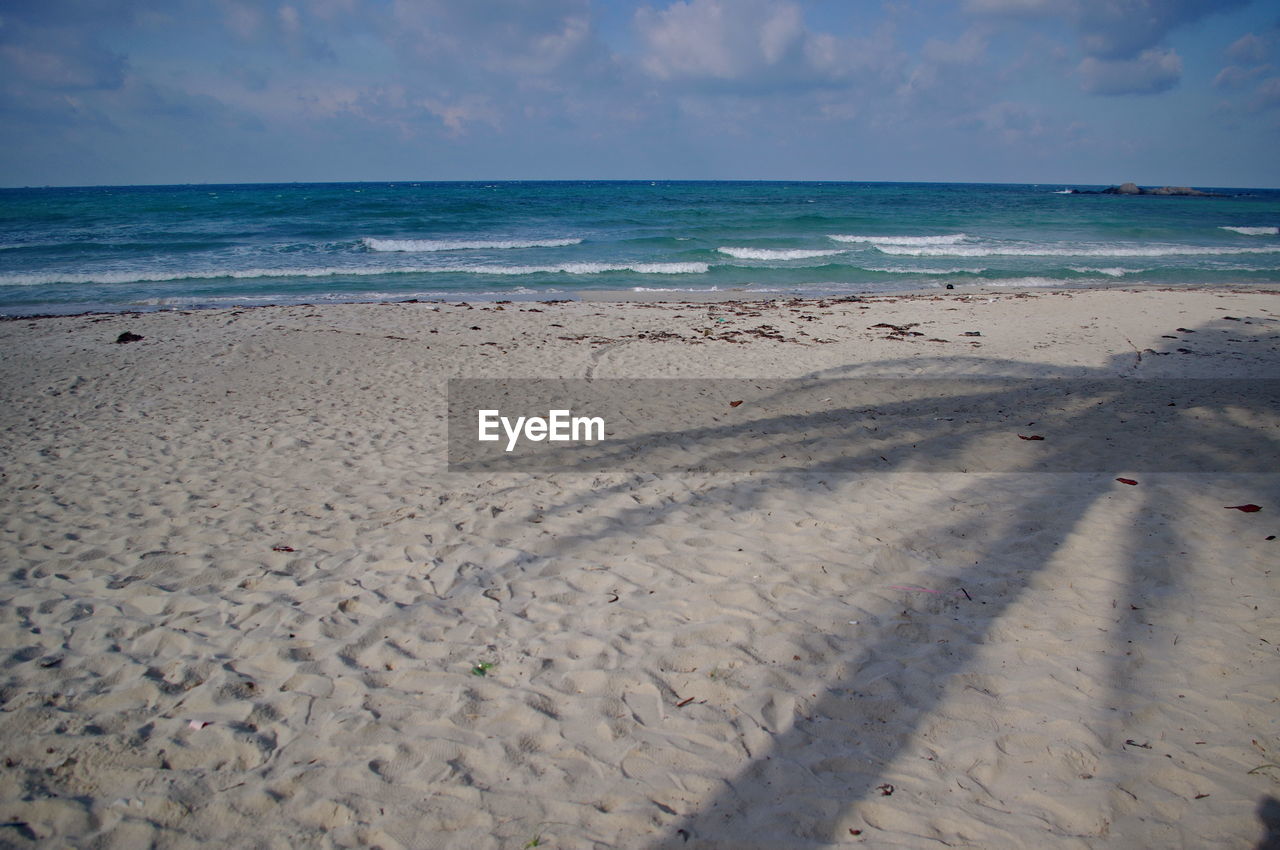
column 776, row 254
column 428, row 245
column 1253, row 231
column 592, row 268
column 22, row 246
column 42, row 279
column 178, row 301
column 957, row 270
column 685, row 289
column 1109, row 272
column 1064, row 251
column 949, row 239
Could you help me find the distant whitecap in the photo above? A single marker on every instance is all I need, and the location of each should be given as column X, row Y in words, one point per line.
column 947, row 239
column 429, row 245
column 775, row 254
column 1066, row 250
column 1253, row 231
column 1114, row 271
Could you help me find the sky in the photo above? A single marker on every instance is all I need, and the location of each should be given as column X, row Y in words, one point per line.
column 1159, row 92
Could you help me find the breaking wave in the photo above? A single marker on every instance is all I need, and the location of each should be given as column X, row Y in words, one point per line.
column 1109, row 272
column 776, row 254
column 679, row 289
column 44, row 278
column 1253, row 231
column 949, row 239
column 1061, row 250
column 429, row 245
column 956, row 270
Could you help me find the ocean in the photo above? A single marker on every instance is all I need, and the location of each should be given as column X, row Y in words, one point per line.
column 72, row 250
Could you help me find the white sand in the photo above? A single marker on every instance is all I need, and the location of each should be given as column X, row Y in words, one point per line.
column 1110, row 680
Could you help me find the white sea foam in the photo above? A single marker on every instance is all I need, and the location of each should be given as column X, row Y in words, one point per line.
column 335, row 297
column 43, row 278
column 681, row 289
column 592, row 268
column 1026, row 281
column 192, row 300
column 948, row 239
column 429, row 245
column 123, row 277
column 1111, row 272
column 776, row 254
column 957, row 270
column 563, row 268
column 1253, row 231
column 1065, row 250
column 579, row 268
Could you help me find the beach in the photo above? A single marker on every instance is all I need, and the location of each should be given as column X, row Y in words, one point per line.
column 246, row 601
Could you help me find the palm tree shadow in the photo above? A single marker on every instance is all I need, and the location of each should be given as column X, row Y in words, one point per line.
column 1269, row 814
column 794, row 793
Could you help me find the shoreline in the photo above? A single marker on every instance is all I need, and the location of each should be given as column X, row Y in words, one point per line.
column 959, row 291
column 679, row 296
column 244, row 592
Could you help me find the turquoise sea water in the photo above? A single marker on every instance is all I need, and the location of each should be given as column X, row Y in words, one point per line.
column 129, row 248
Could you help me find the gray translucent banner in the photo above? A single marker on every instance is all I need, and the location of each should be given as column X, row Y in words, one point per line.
column 865, row 425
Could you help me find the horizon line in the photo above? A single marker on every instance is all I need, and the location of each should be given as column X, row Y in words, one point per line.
column 649, row 180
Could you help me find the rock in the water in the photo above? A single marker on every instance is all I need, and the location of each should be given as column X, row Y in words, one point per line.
column 127, row 337
column 1176, row 190
column 1135, row 189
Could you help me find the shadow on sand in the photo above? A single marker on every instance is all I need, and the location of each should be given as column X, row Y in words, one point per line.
column 794, row 794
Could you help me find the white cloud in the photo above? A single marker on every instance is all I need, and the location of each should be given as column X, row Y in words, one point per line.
column 244, row 19
column 744, row 44
column 1124, row 29
column 709, row 38
column 1234, row 77
column 1249, row 49
column 544, row 38
column 970, row 48
column 1153, row 71
column 1267, row 94
column 1013, row 8
column 556, row 49
column 1250, row 54
column 1110, row 29
column 65, row 69
column 290, row 22
column 1011, row 123
column 458, row 115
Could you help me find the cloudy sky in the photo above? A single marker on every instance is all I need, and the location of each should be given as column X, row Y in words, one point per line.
column 1074, row 91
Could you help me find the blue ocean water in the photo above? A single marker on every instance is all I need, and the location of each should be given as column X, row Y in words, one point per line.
column 69, row 250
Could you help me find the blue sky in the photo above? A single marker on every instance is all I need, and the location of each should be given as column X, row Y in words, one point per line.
column 1070, row 91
